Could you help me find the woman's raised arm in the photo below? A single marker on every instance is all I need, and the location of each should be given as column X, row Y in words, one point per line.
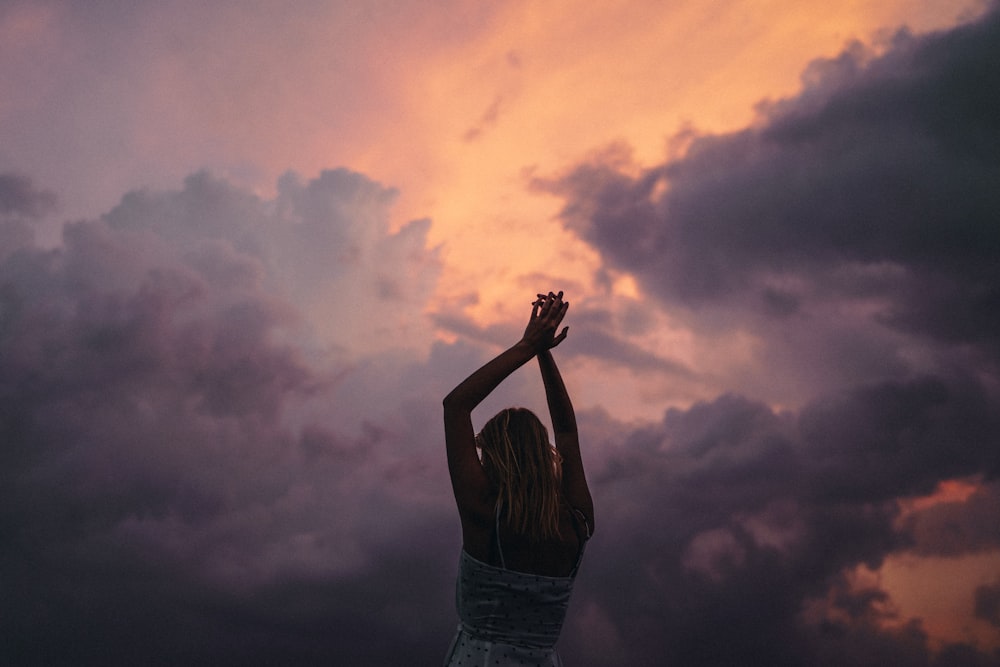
column 468, row 480
column 574, row 481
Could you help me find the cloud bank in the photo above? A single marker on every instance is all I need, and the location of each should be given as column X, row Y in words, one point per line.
column 860, row 215
column 853, row 234
column 205, row 458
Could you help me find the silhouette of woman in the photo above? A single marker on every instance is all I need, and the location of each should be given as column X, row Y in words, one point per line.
column 525, row 507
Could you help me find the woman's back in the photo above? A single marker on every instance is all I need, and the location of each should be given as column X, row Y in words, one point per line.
column 497, row 544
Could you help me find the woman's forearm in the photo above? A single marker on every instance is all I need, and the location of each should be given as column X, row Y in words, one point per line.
column 475, row 388
column 574, row 480
column 560, row 406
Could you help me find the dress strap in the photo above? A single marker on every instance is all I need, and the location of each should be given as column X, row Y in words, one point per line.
column 581, row 517
column 503, row 563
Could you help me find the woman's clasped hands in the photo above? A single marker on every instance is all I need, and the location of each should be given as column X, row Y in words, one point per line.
column 547, row 312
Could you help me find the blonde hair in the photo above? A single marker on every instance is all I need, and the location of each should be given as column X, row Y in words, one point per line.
column 525, row 468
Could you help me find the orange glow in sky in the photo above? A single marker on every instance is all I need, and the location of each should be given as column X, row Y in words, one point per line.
column 540, row 85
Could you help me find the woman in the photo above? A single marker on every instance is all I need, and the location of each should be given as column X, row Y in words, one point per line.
column 525, row 507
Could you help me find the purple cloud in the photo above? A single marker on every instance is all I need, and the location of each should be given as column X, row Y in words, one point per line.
column 852, row 231
column 21, row 205
column 20, row 197
column 189, row 475
column 876, row 187
column 739, row 526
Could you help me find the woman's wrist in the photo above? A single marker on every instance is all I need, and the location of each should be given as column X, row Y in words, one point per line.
column 526, row 347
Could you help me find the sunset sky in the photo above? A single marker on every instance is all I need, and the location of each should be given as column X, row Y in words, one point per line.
column 245, row 249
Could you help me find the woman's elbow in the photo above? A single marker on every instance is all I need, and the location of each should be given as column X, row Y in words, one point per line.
column 453, row 403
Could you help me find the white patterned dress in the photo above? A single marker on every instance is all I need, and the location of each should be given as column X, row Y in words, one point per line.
column 508, row 617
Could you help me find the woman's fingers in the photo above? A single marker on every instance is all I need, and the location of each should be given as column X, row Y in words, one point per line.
column 550, row 308
column 561, row 337
column 554, row 317
column 547, row 312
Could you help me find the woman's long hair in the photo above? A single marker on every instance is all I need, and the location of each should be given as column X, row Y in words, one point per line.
column 525, row 468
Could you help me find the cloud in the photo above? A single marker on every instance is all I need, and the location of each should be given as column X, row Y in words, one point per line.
column 736, row 529
column 867, row 204
column 957, row 527
column 597, row 333
column 485, row 122
column 193, row 471
column 988, row 604
column 323, row 246
column 851, row 233
column 20, row 197
column 21, row 204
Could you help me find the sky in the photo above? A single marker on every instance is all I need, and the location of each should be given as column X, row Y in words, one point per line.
column 245, row 250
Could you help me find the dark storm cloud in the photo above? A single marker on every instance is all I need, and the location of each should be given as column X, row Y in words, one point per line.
column 878, row 184
column 187, row 476
column 734, row 528
column 854, row 231
column 988, row 603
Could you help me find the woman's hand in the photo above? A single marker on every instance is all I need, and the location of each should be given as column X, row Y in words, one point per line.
column 547, row 313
